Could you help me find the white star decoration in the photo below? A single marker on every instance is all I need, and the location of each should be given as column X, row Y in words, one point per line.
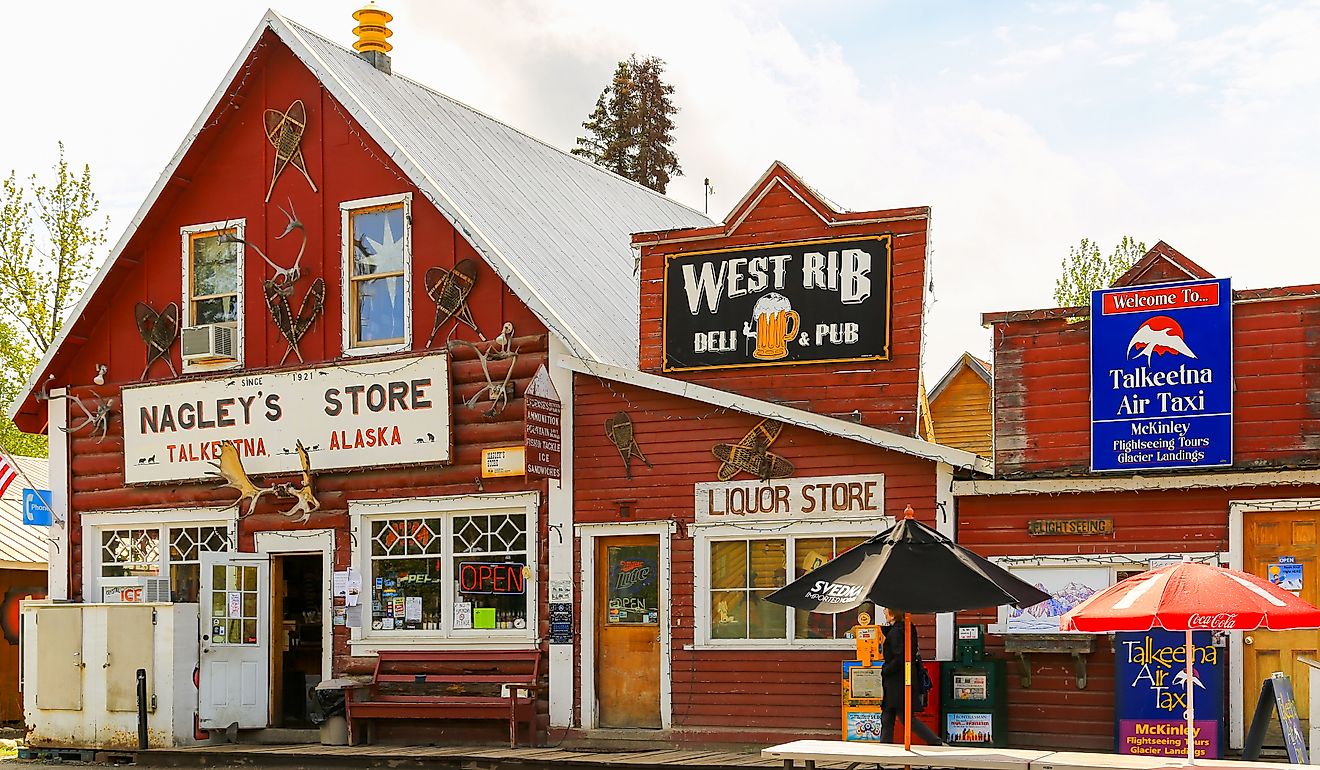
column 387, row 251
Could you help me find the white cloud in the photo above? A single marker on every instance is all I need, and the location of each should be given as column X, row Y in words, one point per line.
column 1147, row 24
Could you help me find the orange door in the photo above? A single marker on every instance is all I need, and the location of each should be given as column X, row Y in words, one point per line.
column 628, row 631
column 1269, row 536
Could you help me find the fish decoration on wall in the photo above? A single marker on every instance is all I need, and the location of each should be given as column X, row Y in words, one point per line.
column 752, row 454
column 279, row 288
column 449, row 289
column 159, row 332
column 230, row 468
column 619, row 429
column 284, row 131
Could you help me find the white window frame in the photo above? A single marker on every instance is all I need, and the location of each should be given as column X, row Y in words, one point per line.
column 702, row 537
column 363, row 512
column 94, row 523
column 185, row 305
column 346, row 210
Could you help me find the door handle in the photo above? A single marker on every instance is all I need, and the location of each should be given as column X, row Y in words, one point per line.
column 1248, row 640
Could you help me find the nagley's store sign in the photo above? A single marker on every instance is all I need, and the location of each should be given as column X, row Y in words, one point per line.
column 369, row 414
column 789, row 303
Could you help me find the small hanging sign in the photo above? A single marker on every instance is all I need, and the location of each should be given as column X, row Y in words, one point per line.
column 542, row 431
column 503, row 461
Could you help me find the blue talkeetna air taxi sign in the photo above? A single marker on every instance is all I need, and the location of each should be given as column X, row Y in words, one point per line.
column 1162, row 376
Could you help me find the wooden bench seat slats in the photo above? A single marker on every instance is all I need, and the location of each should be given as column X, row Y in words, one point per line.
column 432, row 672
column 456, row 678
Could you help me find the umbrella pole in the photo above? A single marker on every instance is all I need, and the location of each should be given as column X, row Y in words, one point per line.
column 1191, row 712
column 907, row 684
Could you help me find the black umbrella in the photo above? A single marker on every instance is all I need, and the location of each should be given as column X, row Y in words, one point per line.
column 913, row 568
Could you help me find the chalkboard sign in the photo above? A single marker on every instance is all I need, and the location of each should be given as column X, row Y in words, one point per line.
column 1276, row 695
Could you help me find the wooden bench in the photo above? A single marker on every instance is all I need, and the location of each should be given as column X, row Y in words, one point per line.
column 450, row 684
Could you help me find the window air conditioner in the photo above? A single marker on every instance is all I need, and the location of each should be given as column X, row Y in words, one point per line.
column 208, row 342
column 157, row 589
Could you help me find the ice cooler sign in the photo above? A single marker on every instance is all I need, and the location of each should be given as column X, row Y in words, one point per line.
column 1162, row 376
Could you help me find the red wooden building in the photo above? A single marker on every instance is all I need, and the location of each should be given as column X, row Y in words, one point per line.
column 749, row 368
column 1263, row 506
column 354, row 279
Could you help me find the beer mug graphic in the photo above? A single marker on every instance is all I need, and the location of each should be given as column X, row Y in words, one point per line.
column 776, row 324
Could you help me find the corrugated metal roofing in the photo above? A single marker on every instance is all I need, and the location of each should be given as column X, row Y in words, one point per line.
column 21, row 544
column 555, row 227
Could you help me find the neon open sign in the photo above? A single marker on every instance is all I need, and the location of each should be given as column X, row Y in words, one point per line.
column 483, row 578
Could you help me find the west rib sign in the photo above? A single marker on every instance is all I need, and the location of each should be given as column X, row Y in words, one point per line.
column 791, row 303
column 1162, row 376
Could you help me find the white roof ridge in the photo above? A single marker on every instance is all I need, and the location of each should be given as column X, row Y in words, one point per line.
column 302, row 28
column 867, row 434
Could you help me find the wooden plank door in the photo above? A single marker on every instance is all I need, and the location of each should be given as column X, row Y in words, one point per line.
column 1269, row 536
column 628, row 628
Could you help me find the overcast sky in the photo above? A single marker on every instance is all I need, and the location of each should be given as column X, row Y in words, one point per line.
column 1024, row 126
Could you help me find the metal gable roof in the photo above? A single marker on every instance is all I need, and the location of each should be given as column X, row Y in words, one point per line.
column 22, row 546
column 555, row 227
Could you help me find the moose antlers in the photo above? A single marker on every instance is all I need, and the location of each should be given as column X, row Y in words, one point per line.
column 231, row 470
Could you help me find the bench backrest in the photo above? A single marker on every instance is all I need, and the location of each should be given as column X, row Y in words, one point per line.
column 458, row 666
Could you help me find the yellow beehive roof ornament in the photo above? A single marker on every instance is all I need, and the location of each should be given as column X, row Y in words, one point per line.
column 371, row 30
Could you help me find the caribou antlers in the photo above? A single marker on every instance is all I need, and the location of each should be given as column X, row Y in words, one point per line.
column 231, row 470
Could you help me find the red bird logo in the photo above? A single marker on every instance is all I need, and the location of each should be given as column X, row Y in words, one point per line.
column 1159, row 334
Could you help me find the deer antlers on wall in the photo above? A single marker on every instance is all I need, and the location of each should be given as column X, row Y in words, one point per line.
column 231, row 470
column 499, row 394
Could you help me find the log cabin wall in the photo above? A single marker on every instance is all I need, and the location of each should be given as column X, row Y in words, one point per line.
column 781, row 210
column 758, row 693
column 1042, row 386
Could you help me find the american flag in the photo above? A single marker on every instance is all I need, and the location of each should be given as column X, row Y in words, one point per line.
column 7, row 473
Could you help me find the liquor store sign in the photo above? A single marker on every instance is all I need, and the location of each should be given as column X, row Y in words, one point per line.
column 791, row 303
column 820, row 497
column 367, row 414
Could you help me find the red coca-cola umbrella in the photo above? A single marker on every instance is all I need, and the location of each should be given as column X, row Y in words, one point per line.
column 1190, row 596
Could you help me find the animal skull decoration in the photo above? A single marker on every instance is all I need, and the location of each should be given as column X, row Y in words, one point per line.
column 159, row 331
column 231, row 470
column 98, row 417
column 752, row 454
column 279, row 288
column 499, row 394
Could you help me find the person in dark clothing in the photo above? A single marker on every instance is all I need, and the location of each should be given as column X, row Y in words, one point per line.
column 891, row 706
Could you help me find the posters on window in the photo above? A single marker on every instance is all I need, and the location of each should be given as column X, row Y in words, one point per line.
column 1068, row 587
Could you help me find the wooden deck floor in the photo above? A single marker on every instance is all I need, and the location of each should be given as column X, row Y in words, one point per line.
column 461, row 757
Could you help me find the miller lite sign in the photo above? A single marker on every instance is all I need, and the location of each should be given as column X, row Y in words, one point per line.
column 1162, row 376
column 789, row 303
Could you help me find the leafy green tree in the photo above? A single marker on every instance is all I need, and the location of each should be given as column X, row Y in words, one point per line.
column 631, row 129
column 1086, row 269
column 50, row 236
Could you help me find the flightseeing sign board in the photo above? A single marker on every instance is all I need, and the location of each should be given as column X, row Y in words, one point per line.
column 1162, row 376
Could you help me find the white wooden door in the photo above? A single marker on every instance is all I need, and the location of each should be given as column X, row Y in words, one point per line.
column 235, row 644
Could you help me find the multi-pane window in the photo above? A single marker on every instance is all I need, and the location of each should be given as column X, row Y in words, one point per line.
column 376, row 285
column 186, row 545
column 454, row 574
column 154, row 551
column 130, row 552
column 213, row 277
column 744, row 571
column 234, row 599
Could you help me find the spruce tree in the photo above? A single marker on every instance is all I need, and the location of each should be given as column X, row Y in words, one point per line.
column 631, row 129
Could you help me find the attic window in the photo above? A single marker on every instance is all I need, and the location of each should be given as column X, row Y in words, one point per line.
column 377, row 270
column 213, row 295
